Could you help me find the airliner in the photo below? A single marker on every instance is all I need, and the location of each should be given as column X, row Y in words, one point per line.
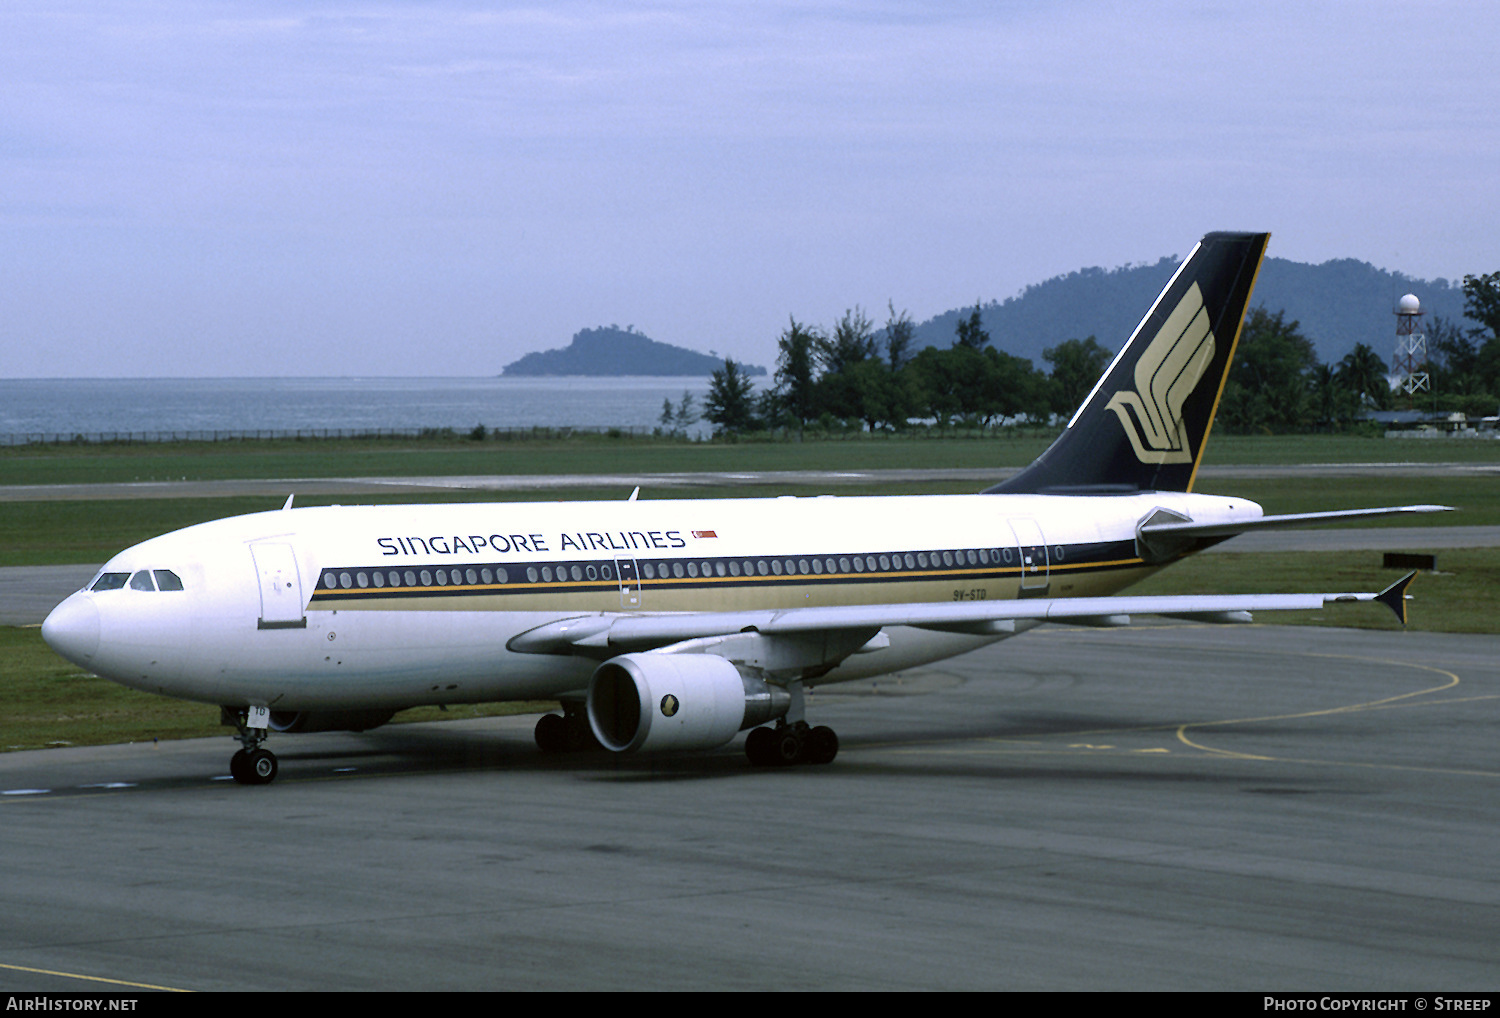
column 676, row 625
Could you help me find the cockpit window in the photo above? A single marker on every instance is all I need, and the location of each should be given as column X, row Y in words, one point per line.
column 142, row 579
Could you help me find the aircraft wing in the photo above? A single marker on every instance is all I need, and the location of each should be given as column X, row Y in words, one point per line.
column 621, row 633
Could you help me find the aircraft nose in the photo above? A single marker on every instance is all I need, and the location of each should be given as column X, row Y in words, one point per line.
column 72, row 629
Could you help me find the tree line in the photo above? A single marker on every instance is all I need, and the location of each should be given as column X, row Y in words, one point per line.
column 856, row 376
column 1277, row 384
column 1463, row 364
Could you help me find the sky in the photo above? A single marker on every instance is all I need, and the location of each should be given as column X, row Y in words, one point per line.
column 436, row 187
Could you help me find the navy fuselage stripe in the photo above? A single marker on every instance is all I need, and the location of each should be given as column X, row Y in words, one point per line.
column 696, row 572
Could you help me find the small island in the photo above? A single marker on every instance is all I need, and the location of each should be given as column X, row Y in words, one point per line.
column 611, row 350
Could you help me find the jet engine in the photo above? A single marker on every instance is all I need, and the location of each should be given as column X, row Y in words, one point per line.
column 677, row 701
column 328, row 721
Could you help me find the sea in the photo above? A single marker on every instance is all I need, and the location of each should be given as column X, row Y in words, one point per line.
column 48, row 408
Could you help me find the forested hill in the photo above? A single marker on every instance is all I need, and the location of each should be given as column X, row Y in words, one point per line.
column 1338, row 303
column 610, row 350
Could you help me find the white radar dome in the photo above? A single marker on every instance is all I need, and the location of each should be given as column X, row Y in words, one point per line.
column 1410, row 305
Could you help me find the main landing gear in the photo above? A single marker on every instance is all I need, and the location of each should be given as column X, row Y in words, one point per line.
column 788, row 744
column 251, row 765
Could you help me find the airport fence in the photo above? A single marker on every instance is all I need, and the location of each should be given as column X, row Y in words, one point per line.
column 307, row 435
column 697, row 433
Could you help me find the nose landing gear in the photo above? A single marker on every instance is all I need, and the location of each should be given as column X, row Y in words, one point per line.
column 251, row 765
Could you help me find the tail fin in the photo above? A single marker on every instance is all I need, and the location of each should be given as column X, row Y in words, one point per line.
column 1144, row 426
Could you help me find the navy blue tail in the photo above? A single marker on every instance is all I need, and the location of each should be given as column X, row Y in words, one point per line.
column 1144, row 426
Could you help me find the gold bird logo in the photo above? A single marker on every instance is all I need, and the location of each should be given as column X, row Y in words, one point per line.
column 1165, row 375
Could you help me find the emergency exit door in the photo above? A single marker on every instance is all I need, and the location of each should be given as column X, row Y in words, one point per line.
column 1031, row 545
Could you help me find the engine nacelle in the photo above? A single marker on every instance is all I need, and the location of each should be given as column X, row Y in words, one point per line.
column 328, row 721
column 677, row 701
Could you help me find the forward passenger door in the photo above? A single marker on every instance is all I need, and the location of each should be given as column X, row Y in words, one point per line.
column 281, row 601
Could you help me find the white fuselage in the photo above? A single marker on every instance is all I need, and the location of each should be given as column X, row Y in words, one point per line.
column 350, row 607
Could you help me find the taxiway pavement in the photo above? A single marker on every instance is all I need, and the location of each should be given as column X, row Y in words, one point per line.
column 1167, row 807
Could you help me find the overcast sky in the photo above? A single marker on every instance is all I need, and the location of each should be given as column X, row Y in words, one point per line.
column 436, row 188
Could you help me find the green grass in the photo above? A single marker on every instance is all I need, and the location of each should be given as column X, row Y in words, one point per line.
column 1476, row 498
column 67, row 533
column 49, row 702
column 586, row 454
column 1457, row 598
column 1271, row 450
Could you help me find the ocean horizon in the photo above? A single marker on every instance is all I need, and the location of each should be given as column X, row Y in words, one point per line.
column 68, row 406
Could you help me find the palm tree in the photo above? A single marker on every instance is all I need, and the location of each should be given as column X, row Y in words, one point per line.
column 1364, row 371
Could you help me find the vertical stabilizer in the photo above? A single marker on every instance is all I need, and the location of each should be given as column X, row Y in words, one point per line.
column 1144, row 425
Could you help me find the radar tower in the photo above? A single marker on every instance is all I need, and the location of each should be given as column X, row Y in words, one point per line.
column 1410, row 363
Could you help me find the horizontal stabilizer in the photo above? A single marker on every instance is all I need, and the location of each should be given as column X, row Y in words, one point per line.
column 1190, row 528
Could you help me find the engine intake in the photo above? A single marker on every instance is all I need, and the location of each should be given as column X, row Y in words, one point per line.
column 651, row 702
